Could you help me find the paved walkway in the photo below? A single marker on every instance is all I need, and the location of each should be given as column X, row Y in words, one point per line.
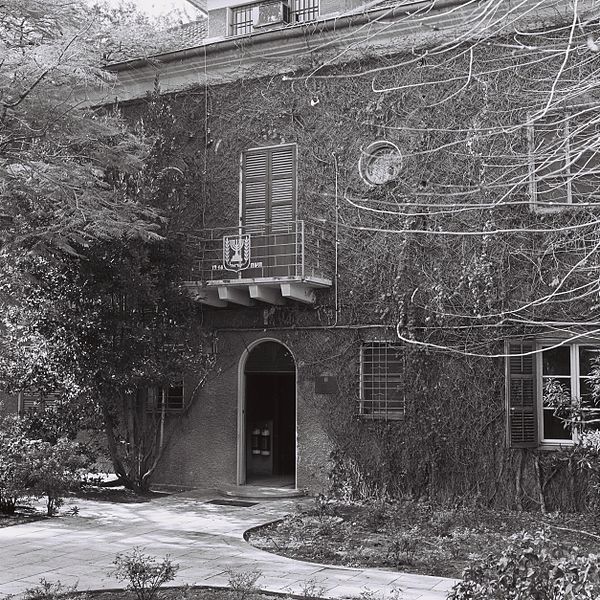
column 206, row 541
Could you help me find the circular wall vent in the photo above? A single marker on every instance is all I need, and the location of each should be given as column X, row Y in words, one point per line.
column 380, row 162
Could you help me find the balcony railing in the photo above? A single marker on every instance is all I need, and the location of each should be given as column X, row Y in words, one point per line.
column 297, row 252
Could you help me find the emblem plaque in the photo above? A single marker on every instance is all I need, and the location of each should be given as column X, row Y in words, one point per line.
column 236, row 252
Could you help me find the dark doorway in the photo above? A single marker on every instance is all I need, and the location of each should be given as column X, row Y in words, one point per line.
column 270, row 380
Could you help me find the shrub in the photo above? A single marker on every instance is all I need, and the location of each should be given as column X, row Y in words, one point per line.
column 53, row 591
column 403, row 547
column 57, row 470
column 243, row 585
column 38, row 468
column 16, row 465
column 532, row 567
column 143, row 573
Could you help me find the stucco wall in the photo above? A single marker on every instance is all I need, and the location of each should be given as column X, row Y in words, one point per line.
column 203, row 448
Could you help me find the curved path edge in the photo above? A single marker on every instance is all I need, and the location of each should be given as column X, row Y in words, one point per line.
column 205, row 540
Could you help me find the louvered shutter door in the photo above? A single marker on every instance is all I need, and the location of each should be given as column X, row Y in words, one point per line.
column 255, row 180
column 283, row 193
column 521, row 397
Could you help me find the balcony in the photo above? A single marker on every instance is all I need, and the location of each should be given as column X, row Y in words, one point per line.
column 243, row 266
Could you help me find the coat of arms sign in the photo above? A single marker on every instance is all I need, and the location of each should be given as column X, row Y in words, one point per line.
column 236, row 252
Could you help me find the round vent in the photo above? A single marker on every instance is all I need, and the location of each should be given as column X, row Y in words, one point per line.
column 380, row 162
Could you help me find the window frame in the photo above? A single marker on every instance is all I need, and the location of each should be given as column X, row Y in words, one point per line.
column 248, row 23
column 158, row 397
column 310, row 9
column 575, row 378
column 568, row 120
column 298, row 15
column 368, row 407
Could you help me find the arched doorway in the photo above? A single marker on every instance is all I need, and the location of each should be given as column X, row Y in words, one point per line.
column 268, row 406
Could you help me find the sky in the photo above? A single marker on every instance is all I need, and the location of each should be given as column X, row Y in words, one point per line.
column 162, row 7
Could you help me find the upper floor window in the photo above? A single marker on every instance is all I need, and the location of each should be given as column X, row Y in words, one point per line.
column 565, row 160
column 241, row 20
column 382, row 380
column 550, row 392
column 304, row 10
column 250, row 17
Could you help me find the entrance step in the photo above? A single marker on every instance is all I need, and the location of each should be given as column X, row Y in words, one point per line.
column 259, row 492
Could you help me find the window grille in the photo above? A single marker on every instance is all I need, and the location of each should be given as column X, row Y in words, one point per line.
column 382, row 380
column 32, row 400
column 304, row 10
column 172, row 397
column 241, row 20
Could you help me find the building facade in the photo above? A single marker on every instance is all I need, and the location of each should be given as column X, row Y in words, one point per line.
column 382, row 202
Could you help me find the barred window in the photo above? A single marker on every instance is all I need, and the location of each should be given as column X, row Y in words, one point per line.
column 171, row 396
column 241, row 20
column 382, row 380
column 32, row 400
column 304, row 10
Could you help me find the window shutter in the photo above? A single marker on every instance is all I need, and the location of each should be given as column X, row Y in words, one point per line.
column 283, row 183
column 269, row 189
column 255, row 179
column 521, row 397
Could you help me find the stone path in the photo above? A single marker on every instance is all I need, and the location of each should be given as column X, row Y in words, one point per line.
column 206, row 541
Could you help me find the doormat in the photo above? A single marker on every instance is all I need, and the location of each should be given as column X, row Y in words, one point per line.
column 227, row 502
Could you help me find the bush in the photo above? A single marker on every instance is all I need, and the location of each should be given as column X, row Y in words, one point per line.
column 243, row 585
column 143, row 573
column 53, row 591
column 532, row 567
column 15, row 467
column 35, row 467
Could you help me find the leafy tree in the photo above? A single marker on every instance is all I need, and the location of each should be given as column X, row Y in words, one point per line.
column 101, row 329
column 57, row 155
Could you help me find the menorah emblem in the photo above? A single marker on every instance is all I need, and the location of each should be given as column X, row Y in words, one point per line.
column 236, row 252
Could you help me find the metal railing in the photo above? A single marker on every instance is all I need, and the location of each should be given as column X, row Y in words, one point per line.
column 294, row 249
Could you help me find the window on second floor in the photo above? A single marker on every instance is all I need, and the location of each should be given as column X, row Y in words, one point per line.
column 241, row 20
column 565, row 160
column 269, row 189
column 302, row 11
column 250, row 17
column 382, row 380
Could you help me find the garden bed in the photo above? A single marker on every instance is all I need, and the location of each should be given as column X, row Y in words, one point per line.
column 23, row 514
column 412, row 537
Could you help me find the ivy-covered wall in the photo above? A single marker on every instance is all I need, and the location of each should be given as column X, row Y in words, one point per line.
column 449, row 255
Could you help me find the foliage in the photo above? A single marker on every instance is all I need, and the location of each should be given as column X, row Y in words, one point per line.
column 243, row 584
column 53, row 591
column 417, row 537
column 57, row 469
column 143, row 573
column 402, row 548
column 58, row 157
column 532, row 567
column 100, row 329
column 38, row 468
column 15, row 465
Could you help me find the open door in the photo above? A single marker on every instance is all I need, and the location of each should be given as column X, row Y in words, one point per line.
column 270, row 416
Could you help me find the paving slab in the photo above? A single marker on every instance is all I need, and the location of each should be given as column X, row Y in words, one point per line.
column 206, row 540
